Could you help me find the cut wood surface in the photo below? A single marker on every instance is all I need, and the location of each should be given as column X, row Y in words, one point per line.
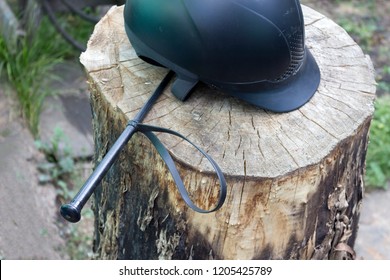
column 292, row 177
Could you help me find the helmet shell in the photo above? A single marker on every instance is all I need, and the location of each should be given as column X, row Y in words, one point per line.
column 247, row 48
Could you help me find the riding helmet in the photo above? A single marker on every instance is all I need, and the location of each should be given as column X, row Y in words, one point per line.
column 251, row 49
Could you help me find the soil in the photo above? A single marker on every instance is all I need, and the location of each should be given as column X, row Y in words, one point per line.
column 31, row 227
column 26, row 210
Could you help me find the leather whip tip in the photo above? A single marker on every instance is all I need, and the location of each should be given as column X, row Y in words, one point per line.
column 70, row 213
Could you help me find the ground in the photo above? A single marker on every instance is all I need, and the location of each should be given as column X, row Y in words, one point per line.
column 31, row 227
column 30, row 224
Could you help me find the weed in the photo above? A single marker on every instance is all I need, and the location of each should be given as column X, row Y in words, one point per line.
column 29, row 71
column 378, row 153
column 79, row 241
column 28, row 68
column 59, row 169
column 59, row 166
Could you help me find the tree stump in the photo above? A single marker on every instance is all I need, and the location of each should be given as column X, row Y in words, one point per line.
column 295, row 180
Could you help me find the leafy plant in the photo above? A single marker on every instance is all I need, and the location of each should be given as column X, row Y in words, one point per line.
column 378, row 154
column 59, row 166
column 59, row 169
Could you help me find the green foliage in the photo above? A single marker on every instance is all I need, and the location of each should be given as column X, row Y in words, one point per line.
column 384, row 78
column 29, row 67
column 29, row 70
column 59, row 169
column 378, row 154
column 59, row 166
column 363, row 20
column 79, row 243
column 362, row 31
column 79, row 29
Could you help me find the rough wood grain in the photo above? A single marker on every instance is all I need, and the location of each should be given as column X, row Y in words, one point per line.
column 295, row 179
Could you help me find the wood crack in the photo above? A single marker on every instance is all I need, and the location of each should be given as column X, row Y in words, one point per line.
column 279, row 168
column 314, row 22
column 288, row 151
column 102, row 69
column 319, row 125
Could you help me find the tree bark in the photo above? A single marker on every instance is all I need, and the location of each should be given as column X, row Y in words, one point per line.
column 295, row 180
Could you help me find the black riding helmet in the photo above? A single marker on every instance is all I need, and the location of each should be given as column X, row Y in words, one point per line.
column 251, row 49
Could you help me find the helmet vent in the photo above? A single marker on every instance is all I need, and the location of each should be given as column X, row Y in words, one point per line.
column 297, row 52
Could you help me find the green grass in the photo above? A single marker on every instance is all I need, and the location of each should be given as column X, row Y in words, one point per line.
column 79, row 29
column 29, row 68
column 378, row 154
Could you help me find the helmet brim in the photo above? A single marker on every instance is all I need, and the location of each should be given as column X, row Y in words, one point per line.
column 290, row 94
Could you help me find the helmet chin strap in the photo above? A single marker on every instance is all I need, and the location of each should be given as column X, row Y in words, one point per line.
column 72, row 210
column 182, row 87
